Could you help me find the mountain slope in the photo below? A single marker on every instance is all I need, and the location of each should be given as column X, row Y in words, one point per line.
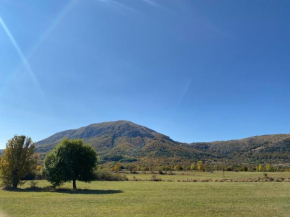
column 124, row 138
column 114, row 140
column 267, row 148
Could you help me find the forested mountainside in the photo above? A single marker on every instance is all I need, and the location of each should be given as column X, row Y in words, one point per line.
column 124, row 140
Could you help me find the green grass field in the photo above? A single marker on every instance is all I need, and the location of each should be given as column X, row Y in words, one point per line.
column 132, row 198
column 207, row 175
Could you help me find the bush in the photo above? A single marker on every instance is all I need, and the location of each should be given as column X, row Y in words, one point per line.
column 160, row 172
column 154, row 178
column 105, row 175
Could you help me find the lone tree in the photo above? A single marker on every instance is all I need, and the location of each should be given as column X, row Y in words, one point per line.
column 17, row 161
column 117, row 167
column 199, row 165
column 70, row 160
column 268, row 167
column 192, row 167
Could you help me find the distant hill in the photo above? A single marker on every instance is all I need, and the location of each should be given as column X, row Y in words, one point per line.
column 1, row 151
column 267, row 148
column 124, row 140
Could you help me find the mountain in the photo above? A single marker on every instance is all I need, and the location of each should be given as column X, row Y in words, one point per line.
column 123, row 138
column 126, row 141
column 266, row 148
column 1, row 151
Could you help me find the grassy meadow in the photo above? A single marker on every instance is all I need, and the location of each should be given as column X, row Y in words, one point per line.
column 147, row 198
column 179, row 175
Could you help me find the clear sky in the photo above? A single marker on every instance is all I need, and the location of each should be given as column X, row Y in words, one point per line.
column 195, row 70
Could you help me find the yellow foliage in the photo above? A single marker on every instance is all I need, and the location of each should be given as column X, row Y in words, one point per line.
column 38, row 167
column 117, row 167
column 177, row 168
column 268, row 167
column 199, row 165
column 17, row 161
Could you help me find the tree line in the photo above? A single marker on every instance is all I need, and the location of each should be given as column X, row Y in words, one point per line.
column 72, row 160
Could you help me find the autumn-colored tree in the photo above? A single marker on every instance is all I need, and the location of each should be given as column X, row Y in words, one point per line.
column 260, row 168
column 268, row 167
column 257, row 168
column 38, row 168
column 177, row 168
column 17, row 161
column 199, row 165
column 117, row 167
column 192, row 167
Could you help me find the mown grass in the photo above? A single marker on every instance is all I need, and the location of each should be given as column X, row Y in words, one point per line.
column 179, row 175
column 129, row 198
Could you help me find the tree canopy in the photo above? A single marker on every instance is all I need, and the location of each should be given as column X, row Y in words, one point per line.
column 70, row 160
column 17, row 161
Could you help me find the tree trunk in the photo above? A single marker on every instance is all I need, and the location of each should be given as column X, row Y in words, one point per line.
column 15, row 185
column 74, row 185
column 15, row 180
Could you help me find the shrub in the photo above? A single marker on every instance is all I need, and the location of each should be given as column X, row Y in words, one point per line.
column 154, row 178
column 105, row 175
column 160, row 172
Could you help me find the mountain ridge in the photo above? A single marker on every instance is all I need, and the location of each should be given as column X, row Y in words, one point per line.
column 125, row 138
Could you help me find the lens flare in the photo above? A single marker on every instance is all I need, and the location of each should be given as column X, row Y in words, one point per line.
column 50, row 28
column 20, row 53
column 36, row 45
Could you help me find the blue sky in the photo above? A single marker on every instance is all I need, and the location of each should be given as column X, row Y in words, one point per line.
column 193, row 70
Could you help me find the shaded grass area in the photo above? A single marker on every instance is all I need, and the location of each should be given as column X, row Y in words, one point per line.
column 63, row 190
column 151, row 199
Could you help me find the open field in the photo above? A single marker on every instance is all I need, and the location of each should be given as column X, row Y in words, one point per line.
column 179, row 175
column 131, row 198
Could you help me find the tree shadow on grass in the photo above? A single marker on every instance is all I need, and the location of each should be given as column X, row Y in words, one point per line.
column 64, row 190
column 87, row 191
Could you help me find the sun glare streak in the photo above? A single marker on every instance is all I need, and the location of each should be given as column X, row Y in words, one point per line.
column 38, row 43
column 156, row 5
column 118, row 4
column 20, row 53
column 54, row 24
column 183, row 95
column 18, row 50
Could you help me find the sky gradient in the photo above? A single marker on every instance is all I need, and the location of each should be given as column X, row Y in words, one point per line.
column 193, row 70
